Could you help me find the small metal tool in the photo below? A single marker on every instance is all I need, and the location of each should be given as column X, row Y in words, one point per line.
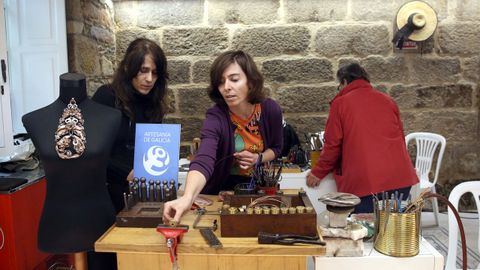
column 125, row 200
column 211, row 238
column 143, row 189
column 158, row 191
column 288, row 239
column 200, row 213
column 151, row 191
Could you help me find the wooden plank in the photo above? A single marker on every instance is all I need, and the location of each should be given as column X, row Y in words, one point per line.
column 150, row 261
column 148, row 240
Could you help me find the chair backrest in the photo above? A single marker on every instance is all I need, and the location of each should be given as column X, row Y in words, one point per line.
column 457, row 192
column 427, row 144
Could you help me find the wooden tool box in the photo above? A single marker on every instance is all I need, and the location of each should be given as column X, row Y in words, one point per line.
column 242, row 224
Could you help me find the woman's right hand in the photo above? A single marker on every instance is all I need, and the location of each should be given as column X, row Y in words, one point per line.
column 174, row 210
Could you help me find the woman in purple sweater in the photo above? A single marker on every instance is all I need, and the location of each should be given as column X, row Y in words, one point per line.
column 242, row 127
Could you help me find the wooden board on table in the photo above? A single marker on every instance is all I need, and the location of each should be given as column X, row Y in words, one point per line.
column 148, row 240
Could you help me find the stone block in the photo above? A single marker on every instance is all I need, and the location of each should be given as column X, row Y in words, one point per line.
column 385, row 69
column 374, row 10
column 343, row 61
column 265, row 41
column 437, row 96
column 359, row 40
column 434, row 70
column 306, row 123
column 126, row 14
column 74, row 27
column 178, row 71
column 314, row 11
column 98, row 14
column 73, row 10
column 107, row 66
column 155, row 14
column 471, row 69
column 191, row 126
column 195, row 41
column 304, row 70
column 465, row 158
column 267, row 89
column 193, row 100
column 242, row 12
column 459, row 38
column 380, row 87
column 124, row 37
column 92, row 85
column 170, row 101
column 387, row 10
column 453, row 125
column 301, row 99
column 467, row 10
column 201, row 71
column 84, row 55
column 102, row 34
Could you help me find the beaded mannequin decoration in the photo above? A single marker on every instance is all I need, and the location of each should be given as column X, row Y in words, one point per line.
column 70, row 138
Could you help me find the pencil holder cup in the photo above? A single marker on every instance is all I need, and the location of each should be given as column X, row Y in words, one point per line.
column 397, row 234
column 269, row 190
column 314, row 156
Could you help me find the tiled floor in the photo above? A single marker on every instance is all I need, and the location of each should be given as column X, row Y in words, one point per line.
column 470, row 224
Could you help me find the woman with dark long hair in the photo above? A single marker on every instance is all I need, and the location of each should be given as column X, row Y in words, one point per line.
column 138, row 90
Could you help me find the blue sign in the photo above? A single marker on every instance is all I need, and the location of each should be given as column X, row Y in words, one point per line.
column 157, row 149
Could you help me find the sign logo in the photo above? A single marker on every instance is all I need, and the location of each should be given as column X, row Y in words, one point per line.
column 157, row 148
column 156, row 160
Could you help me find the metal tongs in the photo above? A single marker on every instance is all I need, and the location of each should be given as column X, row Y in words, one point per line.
column 288, row 239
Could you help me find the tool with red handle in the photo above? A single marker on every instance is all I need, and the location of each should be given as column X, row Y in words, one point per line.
column 172, row 234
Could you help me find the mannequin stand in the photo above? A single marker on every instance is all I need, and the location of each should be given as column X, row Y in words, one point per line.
column 80, row 261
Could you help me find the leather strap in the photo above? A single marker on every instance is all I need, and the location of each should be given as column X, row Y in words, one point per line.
column 405, row 32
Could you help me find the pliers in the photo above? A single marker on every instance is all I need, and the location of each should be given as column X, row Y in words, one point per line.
column 288, row 239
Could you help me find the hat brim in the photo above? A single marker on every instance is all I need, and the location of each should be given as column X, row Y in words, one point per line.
column 422, row 8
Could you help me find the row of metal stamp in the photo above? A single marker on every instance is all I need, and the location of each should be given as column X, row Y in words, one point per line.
column 266, row 210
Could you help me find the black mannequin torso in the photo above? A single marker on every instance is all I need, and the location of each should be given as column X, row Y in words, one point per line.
column 77, row 206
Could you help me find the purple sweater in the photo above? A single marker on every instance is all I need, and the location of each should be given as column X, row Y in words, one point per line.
column 215, row 155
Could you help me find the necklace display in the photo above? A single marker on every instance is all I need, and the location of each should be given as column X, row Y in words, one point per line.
column 70, row 138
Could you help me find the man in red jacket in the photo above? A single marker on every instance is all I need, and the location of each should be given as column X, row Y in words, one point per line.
column 364, row 142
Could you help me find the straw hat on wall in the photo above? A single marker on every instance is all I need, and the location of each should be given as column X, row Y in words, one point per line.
column 416, row 20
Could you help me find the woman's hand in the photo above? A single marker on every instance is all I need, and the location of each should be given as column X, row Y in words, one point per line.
column 312, row 180
column 174, row 210
column 246, row 159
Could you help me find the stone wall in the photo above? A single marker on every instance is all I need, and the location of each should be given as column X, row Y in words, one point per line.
column 299, row 44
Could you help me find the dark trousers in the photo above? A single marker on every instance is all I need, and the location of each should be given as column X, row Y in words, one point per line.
column 366, row 203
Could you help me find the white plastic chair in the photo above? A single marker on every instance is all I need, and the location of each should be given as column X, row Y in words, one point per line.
column 427, row 144
column 457, row 192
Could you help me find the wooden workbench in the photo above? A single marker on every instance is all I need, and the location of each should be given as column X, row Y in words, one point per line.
column 145, row 248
